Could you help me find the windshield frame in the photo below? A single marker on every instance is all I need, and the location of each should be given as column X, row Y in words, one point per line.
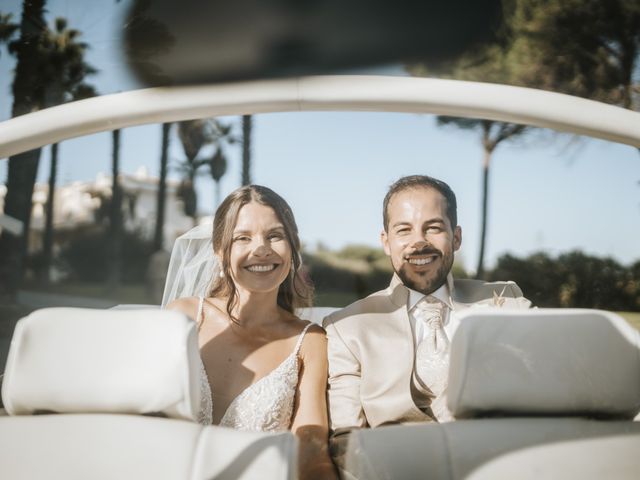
column 371, row 93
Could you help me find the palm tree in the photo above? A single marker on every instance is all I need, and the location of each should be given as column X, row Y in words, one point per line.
column 492, row 134
column 218, row 167
column 247, row 124
column 194, row 135
column 65, row 70
column 50, row 70
column 115, row 215
column 64, row 67
column 7, row 28
column 23, row 167
column 221, row 137
column 158, row 236
column 47, row 247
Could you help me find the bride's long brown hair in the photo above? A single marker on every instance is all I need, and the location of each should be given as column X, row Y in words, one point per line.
column 296, row 290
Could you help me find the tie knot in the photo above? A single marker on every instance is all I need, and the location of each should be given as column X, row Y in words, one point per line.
column 430, row 312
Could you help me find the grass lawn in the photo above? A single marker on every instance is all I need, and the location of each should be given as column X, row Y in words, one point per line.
column 137, row 293
column 632, row 317
column 128, row 293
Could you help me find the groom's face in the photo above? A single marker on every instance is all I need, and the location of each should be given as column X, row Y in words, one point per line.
column 420, row 239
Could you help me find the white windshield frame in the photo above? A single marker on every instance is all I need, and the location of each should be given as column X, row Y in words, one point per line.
column 504, row 103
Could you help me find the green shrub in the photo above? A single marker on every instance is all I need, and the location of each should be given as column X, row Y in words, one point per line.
column 573, row 279
column 87, row 256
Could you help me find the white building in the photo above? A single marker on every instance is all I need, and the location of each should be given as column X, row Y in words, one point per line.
column 84, row 203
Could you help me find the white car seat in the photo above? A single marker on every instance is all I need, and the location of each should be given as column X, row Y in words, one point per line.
column 113, row 394
column 544, row 393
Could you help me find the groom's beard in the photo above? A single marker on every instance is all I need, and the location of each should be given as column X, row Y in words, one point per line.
column 426, row 282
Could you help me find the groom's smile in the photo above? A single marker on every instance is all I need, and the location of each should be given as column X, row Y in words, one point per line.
column 421, row 261
column 422, row 253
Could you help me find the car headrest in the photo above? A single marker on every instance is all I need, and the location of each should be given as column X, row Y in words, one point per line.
column 78, row 360
column 544, row 362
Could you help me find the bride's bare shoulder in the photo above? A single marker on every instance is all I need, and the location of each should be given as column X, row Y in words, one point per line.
column 186, row 305
column 314, row 336
column 314, row 343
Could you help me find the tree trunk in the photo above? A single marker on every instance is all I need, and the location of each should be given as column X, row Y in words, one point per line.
column 158, row 237
column 21, row 178
column 23, row 167
column 217, row 195
column 193, row 197
column 628, row 56
column 485, row 205
column 247, row 123
column 115, row 223
column 47, row 249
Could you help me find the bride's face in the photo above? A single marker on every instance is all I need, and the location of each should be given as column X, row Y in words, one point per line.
column 260, row 258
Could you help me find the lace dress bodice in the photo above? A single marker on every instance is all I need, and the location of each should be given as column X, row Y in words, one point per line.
column 266, row 405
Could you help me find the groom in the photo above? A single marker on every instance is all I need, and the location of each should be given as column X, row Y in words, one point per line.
column 388, row 353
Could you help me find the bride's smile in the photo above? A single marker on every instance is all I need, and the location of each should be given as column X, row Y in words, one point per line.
column 267, row 268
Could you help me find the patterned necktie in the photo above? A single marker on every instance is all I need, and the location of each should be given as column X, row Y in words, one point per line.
column 432, row 355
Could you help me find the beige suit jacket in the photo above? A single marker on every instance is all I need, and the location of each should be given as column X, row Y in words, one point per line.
column 371, row 353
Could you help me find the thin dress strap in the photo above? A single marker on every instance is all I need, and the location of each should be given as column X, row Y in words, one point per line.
column 200, row 314
column 299, row 343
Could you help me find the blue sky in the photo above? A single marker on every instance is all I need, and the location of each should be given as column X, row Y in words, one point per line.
column 550, row 192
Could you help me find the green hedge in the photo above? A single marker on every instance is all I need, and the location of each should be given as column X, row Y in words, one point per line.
column 87, row 254
column 573, row 279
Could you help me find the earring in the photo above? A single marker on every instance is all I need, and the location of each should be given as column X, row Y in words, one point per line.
column 218, row 262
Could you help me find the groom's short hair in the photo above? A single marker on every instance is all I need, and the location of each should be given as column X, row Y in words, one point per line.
column 413, row 181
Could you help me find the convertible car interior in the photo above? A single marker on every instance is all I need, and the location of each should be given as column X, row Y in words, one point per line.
column 112, row 393
column 544, row 393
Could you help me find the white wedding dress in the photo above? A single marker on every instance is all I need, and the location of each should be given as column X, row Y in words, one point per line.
column 266, row 405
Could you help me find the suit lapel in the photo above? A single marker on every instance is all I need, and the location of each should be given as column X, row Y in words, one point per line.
column 398, row 294
column 390, row 332
column 391, row 389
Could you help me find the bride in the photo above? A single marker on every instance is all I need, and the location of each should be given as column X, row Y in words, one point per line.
column 264, row 368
